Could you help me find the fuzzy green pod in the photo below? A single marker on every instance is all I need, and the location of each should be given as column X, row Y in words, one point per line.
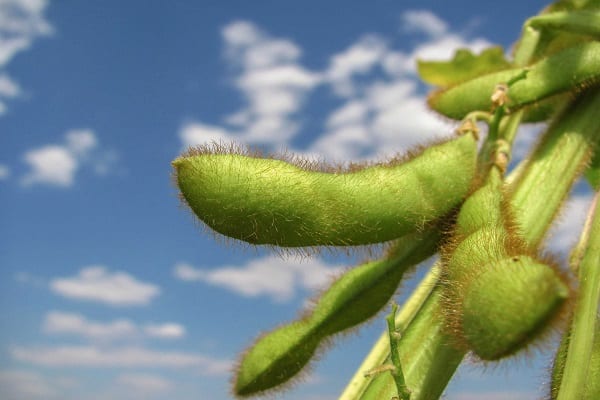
column 278, row 356
column 509, row 304
column 498, row 294
column 271, row 201
column 572, row 69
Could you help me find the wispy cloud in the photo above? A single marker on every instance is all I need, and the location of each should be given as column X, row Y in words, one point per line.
column 4, row 172
column 26, row 385
column 273, row 85
column 382, row 106
column 423, row 21
column 59, row 322
column 57, row 164
column 144, row 384
column 96, row 283
column 117, row 357
column 268, row 276
column 169, row 330
column 21, row 22
column 358, row 59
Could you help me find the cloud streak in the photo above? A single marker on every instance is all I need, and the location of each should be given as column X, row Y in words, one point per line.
column 117, row 357
column 65, row 323
column 96, row 283
column 21, row 22
column 381, row 108
column 268, row 276
column 57, row 164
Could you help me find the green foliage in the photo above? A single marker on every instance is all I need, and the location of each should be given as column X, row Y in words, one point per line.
column 570, row 70
column 495, row 293
column 464, row 66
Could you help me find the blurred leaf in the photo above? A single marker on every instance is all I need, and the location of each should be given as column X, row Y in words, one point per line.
column 592, row 173
column 464, row 66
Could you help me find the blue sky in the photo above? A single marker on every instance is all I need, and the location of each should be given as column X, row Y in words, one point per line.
column 108, row 287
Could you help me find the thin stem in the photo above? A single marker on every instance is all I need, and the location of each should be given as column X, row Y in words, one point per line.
column 581, row 341
column 397, row 374
column 381, row 350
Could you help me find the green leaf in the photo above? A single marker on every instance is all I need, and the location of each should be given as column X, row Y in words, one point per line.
column 464, row 66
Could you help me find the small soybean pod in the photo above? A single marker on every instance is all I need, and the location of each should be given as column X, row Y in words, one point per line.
column 278, row 356
column 569, row 70
column 498, row 295
column 270, row 201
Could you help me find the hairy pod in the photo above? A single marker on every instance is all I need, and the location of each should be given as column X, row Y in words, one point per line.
column 569, row 70
column 559, row 157
column 497, row 294
column 270, row 201
column 579, row 22
column 355, row 297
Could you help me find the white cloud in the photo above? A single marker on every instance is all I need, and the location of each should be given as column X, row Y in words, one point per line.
column 144, row 384
column 351, row 113
column 8, row 87
column 4, row 172
column 267, row 276
column 423, row 21
column 81, row 141
column 165, row 331
column 383, row 108
column 343, row 143
column 251, row 48
column 21, row 22
column 117, row 357
column 359, row 58
column 57, row 165
column 51, row 165
column 241, row 34
column 278, row 77
column 273, row 83
column 196, row 133
column 58, row 322
column 25, row 385
column 96, row 283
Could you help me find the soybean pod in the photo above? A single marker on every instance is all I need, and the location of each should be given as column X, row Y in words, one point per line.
column 498, row 294
column 274, row 202
column 355, row 297
column 569, row 70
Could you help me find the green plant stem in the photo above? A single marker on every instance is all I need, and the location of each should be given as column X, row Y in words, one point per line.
column 428, row 358
column 381, row 350
column 581, row 340
column 397, row 374
column 575, row 133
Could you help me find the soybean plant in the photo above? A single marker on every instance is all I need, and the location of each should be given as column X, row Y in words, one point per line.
column 494, row 291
